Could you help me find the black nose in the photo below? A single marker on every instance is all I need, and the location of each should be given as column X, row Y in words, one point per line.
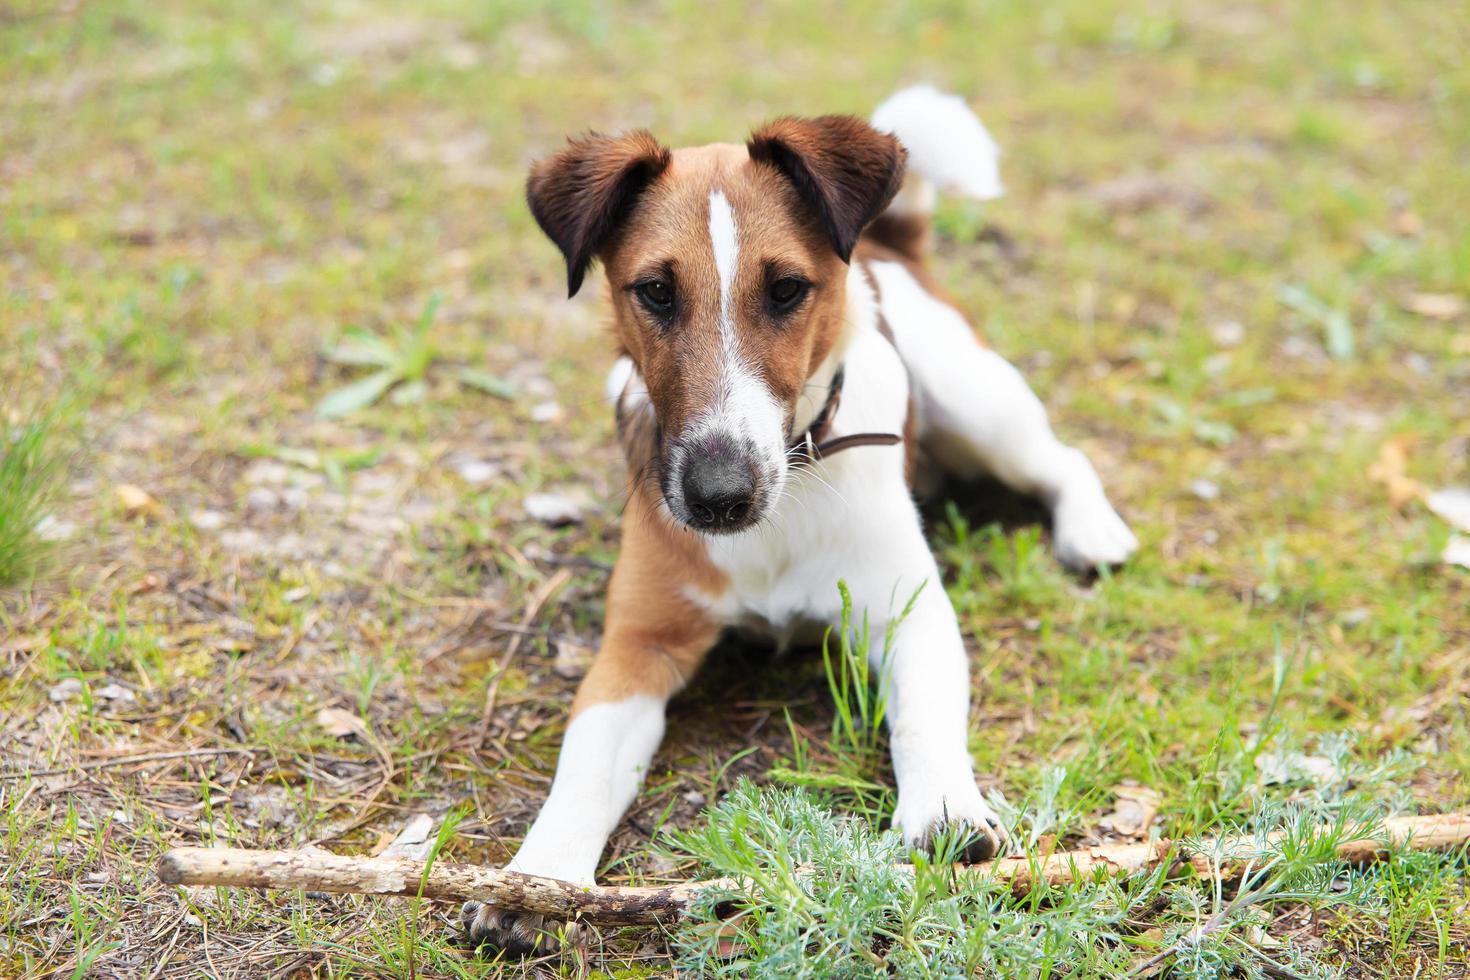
column 718, row 490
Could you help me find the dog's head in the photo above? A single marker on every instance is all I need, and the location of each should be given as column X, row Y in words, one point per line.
column 727, row 266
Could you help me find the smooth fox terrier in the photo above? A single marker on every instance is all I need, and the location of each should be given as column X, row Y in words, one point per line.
column 788, row 369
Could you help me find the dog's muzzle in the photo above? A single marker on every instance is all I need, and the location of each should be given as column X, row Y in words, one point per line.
column 719, row 488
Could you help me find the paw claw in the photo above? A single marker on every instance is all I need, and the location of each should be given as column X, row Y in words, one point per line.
column 982, row 840
column 493, row 931
column 962, row 812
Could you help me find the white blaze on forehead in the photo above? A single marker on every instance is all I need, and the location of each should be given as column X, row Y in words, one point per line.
column 742, row 401
column 723, row 238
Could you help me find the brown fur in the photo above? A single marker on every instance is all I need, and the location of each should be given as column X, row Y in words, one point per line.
column 844, row 169
column 655, row 637
column 906, row 234
column 582, row 193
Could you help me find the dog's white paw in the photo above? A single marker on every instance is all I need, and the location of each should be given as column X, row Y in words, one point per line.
column 920, row 817
column 1087, row 532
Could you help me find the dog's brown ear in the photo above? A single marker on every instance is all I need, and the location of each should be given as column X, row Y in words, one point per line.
column 844, row 168
column 579, row 195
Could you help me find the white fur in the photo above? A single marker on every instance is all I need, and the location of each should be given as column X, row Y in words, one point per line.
column 724, row 239
column 978, row 415
column 619, row 376
column 948, row 146
column 852, row 519
column 603, row 761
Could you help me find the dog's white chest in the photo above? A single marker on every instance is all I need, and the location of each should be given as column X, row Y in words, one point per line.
column 784, row 573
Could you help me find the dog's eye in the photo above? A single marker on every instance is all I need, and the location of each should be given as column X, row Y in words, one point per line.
column 657, row 295
column 786, row 293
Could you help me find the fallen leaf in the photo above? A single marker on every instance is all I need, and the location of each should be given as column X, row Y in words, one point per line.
column 340, row 723
column 554, row 509
column 24, row 644
column 1204, row 489
column 51, row 528
column 1133, row 812
column 546, row 412
column 477, row 470
column 415, row 840
column 116, row 692
column 137, row 502
column 207, row 520
column 65, row 690
column 1407, row 224
column 1453, row 504
column 1435, row 306
column 1391, row 469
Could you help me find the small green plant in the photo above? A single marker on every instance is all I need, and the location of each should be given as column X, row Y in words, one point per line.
column 856, row 690
column 334, row 464
column 1337, row 329
column 401, row 366
column 852, row 763
column 30, row 475
column 1190, row 421
column 1013, row 569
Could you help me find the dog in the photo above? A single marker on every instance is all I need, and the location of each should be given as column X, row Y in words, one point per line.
column 788, row 368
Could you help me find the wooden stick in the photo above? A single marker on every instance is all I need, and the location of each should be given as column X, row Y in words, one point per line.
column 323, row 871
column 315, row 870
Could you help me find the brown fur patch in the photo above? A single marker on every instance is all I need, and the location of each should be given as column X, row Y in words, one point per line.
column 655, row 636
column 906, row 234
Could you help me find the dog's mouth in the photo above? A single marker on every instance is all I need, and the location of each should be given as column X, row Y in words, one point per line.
column 717, row 483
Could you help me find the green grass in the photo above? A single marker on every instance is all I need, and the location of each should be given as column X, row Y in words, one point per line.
column 822, row 895
column 199, row 202
column 31, row 468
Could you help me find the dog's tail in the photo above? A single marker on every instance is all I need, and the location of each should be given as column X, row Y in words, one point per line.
column 949, row 150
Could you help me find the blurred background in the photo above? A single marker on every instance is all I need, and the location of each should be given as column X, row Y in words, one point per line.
column 310, row 464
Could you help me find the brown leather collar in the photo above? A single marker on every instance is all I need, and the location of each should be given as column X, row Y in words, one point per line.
column 813, row 443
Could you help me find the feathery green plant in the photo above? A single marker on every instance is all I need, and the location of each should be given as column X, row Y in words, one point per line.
column 827, row 894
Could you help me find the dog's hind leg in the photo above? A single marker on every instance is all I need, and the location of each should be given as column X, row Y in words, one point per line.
column 979, row 416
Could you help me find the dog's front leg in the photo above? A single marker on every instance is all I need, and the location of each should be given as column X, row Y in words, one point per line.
column 616, row 725
column 925, row 681
column 654, row 640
